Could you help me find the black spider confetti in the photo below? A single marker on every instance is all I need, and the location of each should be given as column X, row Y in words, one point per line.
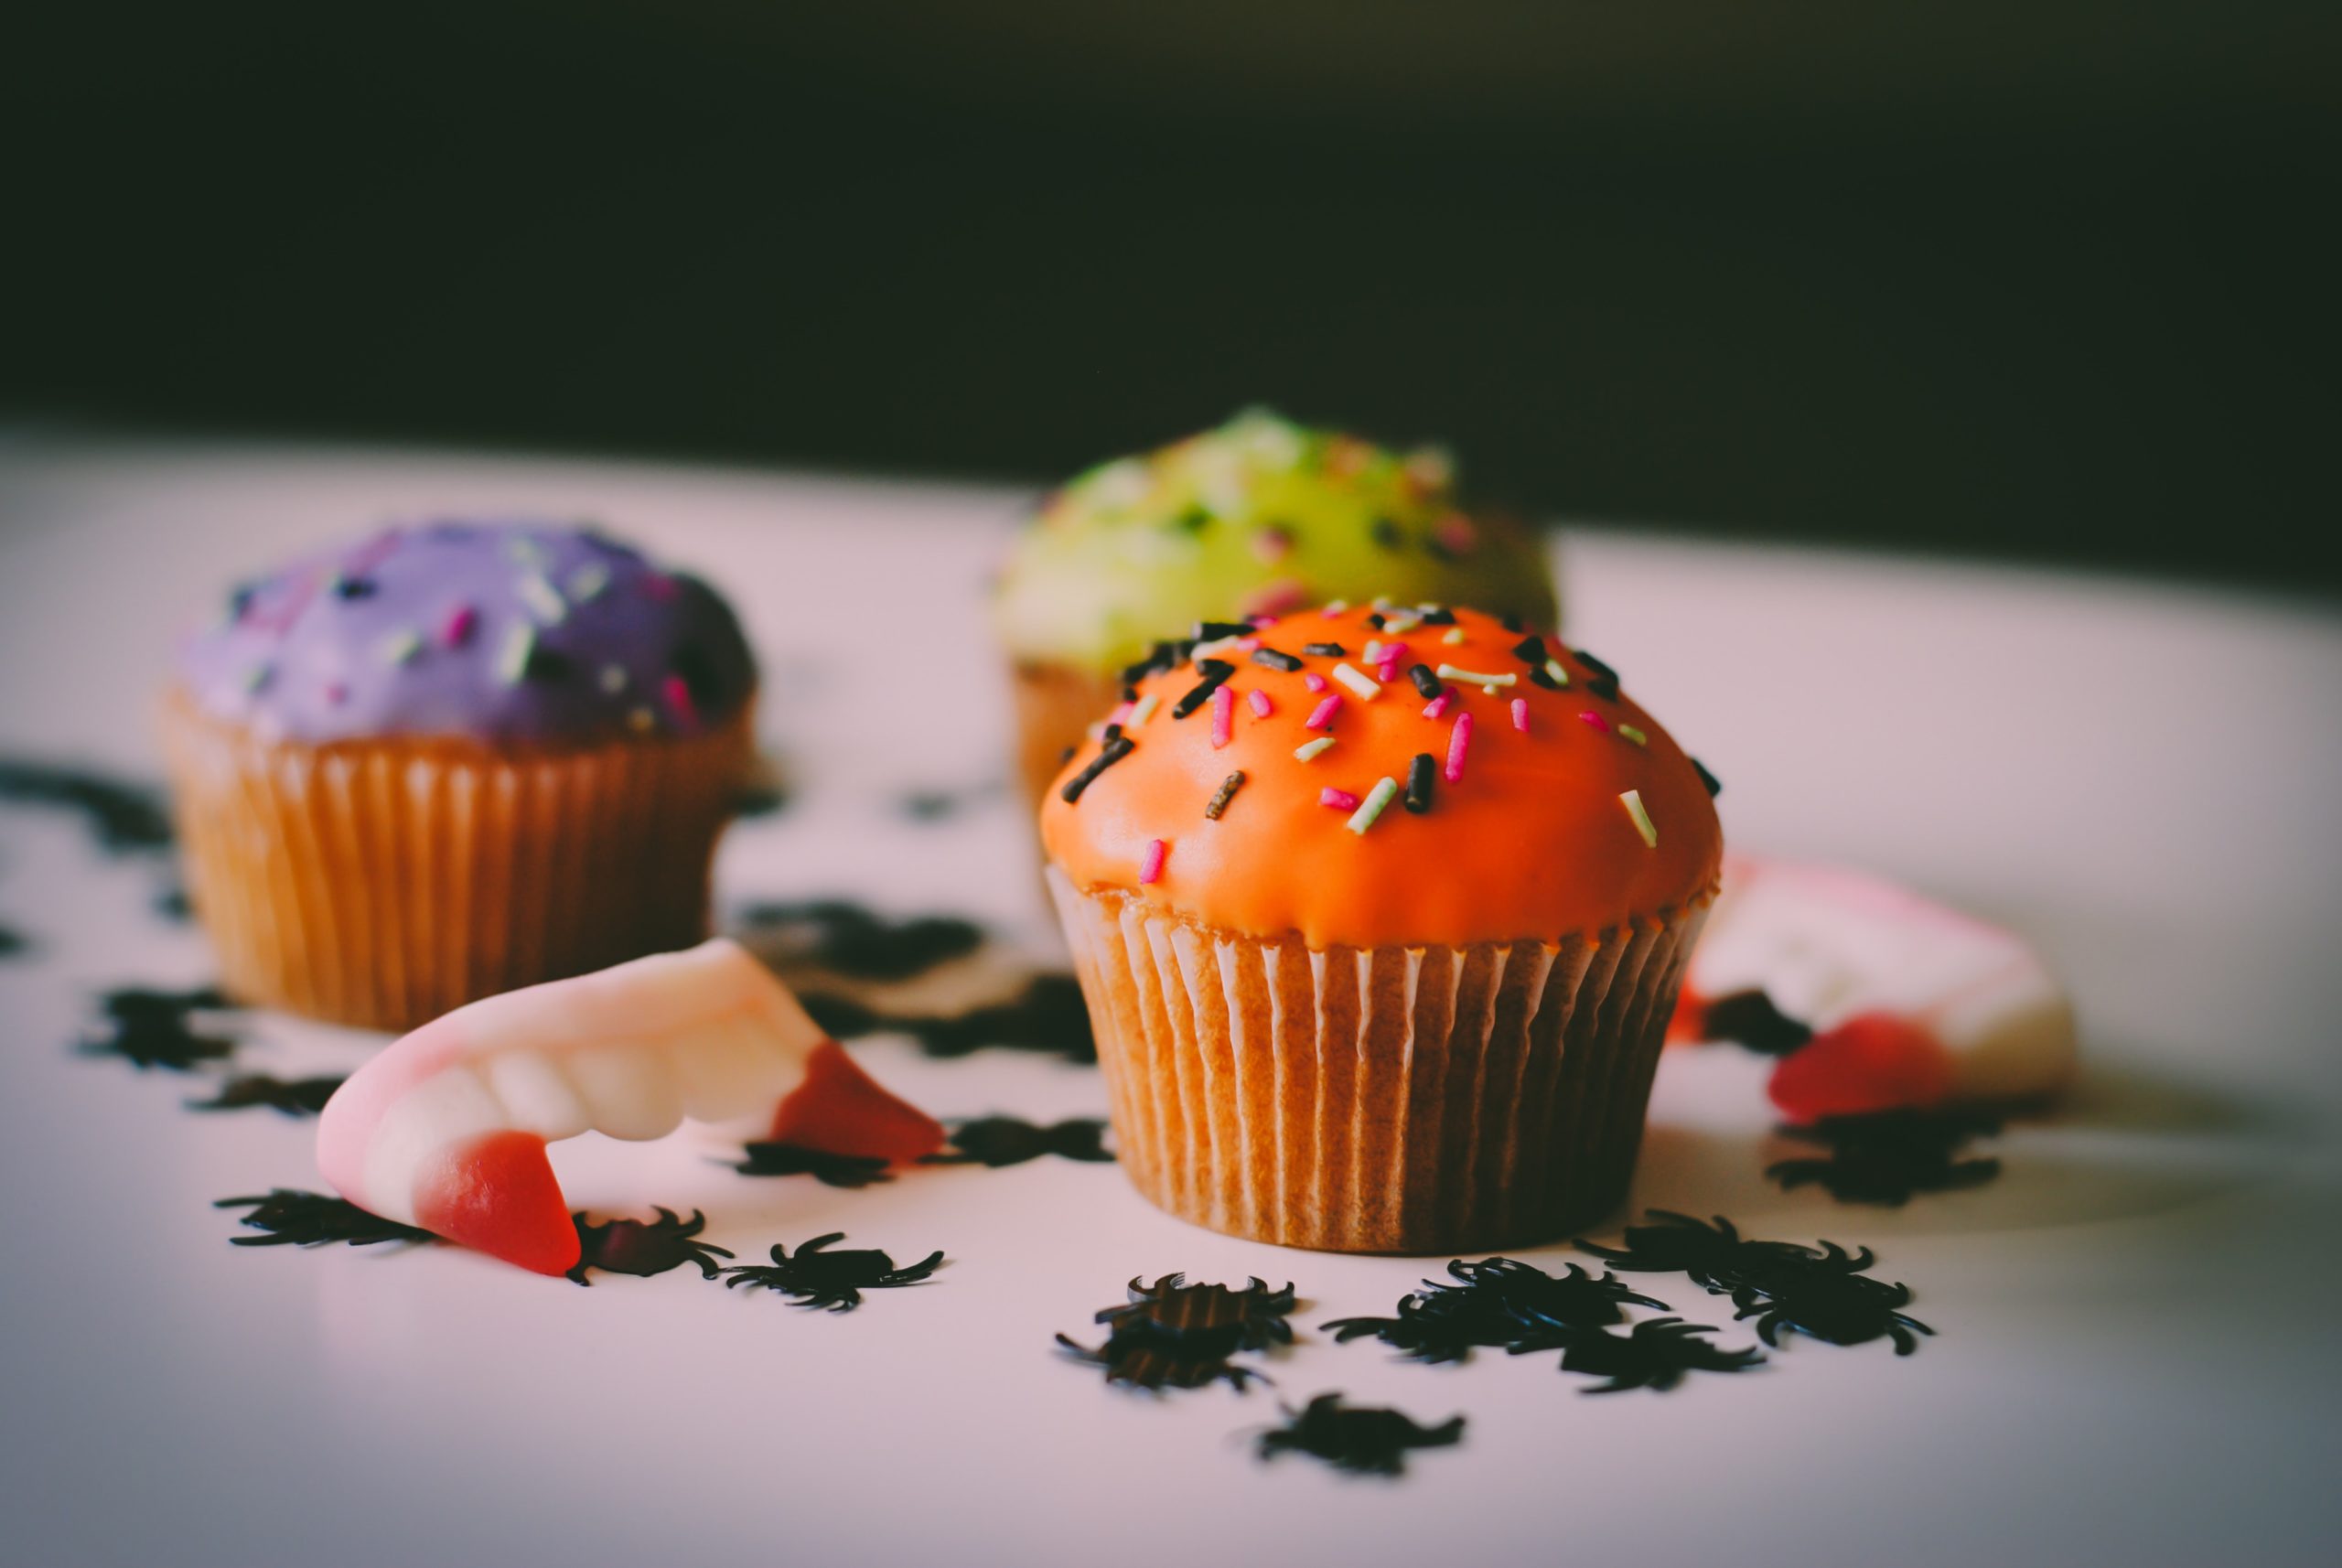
column 13, row 942
column 778, row 1159
column 294, row 1097
column 1842, row 1309
column 1655, row 1355
column 1175, row 1335
column 1047, row 1014
column 294, row 1218
column 827, row 1281
column 1886, row 1156
column 123, row 817
column 1367, row 1440
column 1500, row 1302
column 1718, row 1257
column 151, row 1029
column 848, row 939
column 644, row 1246
column 998, row 1141
column 1750, row 1019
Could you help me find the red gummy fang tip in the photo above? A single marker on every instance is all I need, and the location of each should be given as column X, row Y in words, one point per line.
column 496, row 1194
column 841, row 1109
column 1873, row 1061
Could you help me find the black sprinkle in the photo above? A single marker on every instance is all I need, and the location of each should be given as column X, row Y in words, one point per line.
column 995, row 1141
column 1386, row 533
column 1113, row 752
column 1067, row 755
column 1603, row 686
column 1599, row 668
column 1220, row 630
column 1425, row 682
column 1275, row 660
column 294, row 1218
column 1888, row 1156
column 1376, row 620
column 353, row 588
column 1214, row 673
column 1324, row 649
column 1713, row 786
column 1365, row 1440
column 1511, row 623
column 1529, row 649
column 1227, row 792
column 777, row 1159
column 294, row 1097
column 1439, row 616
column 1419, row 773
column 644, row 1246
column 1538, row 677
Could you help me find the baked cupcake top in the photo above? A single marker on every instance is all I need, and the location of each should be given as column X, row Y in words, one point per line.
column 1379, row 777
column 501, row 631
column 1258, row 517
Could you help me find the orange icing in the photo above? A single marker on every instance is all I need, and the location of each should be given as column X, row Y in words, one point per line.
column 1533, row 843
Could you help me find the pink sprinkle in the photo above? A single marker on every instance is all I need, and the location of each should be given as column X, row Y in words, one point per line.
column 1286, row 594
column 1151, row 869
column 1314, row 680
column 660, row 586
column 1596, row 720
column 1271, row 545
column 679, row 701
column 1388, row 671
column 1340, row 800
column 1456, row 532
column 1262, row 623
column 1122, row 714
column 1520, row 715
column 1438, row 705
column 1262, row 706
column 1394, row 650
column 1329, row 612
column 1248, row 644
column 459, row 628
column 336, row 693
column 1223, row 716
column 1459, row 741
column 1323, row 715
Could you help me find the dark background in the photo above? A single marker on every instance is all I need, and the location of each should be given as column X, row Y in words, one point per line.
column 2051, row 281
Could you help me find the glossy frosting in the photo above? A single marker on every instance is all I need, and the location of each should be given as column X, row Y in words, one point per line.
column 1258, row 515
column 1533, row 842
column 497, row 631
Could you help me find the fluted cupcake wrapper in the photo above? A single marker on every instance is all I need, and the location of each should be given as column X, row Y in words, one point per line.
column 1383, row 1100
column 384, row 883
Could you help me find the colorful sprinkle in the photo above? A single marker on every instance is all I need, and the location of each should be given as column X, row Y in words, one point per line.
column 1259, row 702
column 456, row 630
column 1459, row 742
column 1557, row 672
column 401, row 646
column 1114, row 751
column 1151, row 868
column 336, row 693
column 1314, row 680
column 1629, row 732
column 1334, row 607
column 1452, row 636
column 1375, row 799
column 1437, row 706
column 1324, row 649
column 257, row 678
column 1310, row 749
column 1478, row 678
column 1271, row 545
column 1339, row 800
column 525, row 550
column 1120, row 714
column 1275, row 598
column 642, row 719
column 1323, row 714
column 585, row 583
column 1633, row 801
column 1360, row 684
column 613, row 678
column 1419, row 777
column 1596, row 720
column 543, row 599
column 1520, row 715
column 512, row 659
column 1425, row 682
column 677, row 694
column 1226, row 793
column 1223, row 718
column 1456, row 532
column 1143, row 709
column 1402, row 621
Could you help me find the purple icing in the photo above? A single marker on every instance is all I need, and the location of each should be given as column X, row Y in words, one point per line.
column 497, row 630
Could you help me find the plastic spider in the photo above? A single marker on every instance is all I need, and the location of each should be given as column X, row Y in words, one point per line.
column 1656, row 1355
column 295, row 1218
column 1175, row 1334
column 772, row 1159
column 831, row 1282
column 293, row 1096
column 998, row 1141
column 1718, row 1257
column 644, row 1246
column 1369, row 1440
column 1501, row 1301
column 1886, row 1156
column 151, row 1029
column 1843, row 1309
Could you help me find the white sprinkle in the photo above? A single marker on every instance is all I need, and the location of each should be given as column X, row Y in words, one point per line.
column 512, row 659
column 1633, row 801
column 588, row 581
column 1371, row 807
column 613, row 678
column 1309, row 749
column 1364, row 686
column 1204, row 650
column 541, row 598
column 1629, row 732
column 1336, row 607
column 1554, row 668
column 1477, row 677
column 1454, row 635
column 1402, row 621
column 1143, row 711
column 642, row 719
column 400, row 646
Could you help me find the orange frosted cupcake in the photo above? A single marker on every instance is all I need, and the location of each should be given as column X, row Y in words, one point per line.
column 1381, row 915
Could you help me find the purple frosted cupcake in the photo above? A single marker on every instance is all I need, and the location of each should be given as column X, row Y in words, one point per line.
column 452, row 760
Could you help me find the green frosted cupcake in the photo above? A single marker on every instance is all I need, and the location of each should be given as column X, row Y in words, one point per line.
column 1256, row 517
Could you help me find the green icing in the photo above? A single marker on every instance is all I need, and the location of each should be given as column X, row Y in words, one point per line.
column 1260, row 514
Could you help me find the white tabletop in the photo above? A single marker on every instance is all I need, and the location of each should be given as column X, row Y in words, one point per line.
column 2134, row 1351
